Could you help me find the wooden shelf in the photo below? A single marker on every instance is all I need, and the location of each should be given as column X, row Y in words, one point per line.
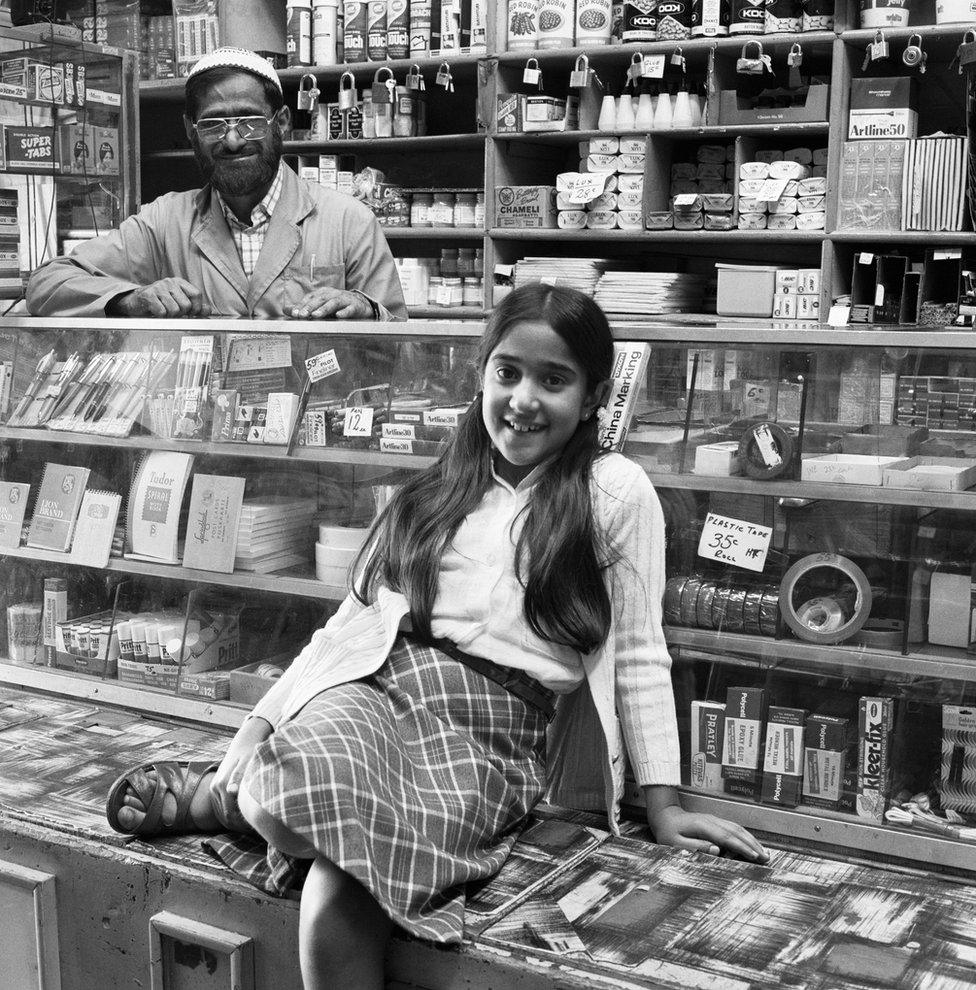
column 676, row 134
column 652, row 237
column 434, row 234
column 934, row 237
column 448, row 312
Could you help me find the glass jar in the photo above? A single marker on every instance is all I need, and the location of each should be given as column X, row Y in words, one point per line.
column 464, row 204
column 479, row 263
column 434, row 285
column 479, row 210
column 466, row 262
column 449, row 262
column 452, row 293
column 420, row 208
column 471, row 291
column 442, row 211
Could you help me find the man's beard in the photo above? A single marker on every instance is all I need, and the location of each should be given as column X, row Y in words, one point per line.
column 236, row 179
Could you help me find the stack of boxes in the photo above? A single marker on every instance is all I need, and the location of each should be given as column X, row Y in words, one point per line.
column 797, row 294
column 9, row 235
column 939, row 402
column 701, row 192
column 783, row 190
column 158, row 45
column 620, row 205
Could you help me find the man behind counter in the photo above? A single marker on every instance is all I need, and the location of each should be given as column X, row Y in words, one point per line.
column 256, row 241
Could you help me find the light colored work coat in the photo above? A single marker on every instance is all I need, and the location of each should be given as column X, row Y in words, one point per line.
column 316, row 237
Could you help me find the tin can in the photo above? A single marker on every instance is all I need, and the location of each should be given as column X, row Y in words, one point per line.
column 748, row 17
column 523, row 24
column 298, row 32
column 783, row 16
column 325, row 32
column 593, row 20
column 673, row 20
column 376, row 30
column 354, row 30
column 398, row 29
column 556, row 23
column 710, row 18
column 640, row 21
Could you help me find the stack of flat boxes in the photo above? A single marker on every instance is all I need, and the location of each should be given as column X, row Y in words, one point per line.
column 799, row 205
column 332, row 171
column 9, row 235
column 620, row 207
column 701, row 192
column 796, row 295
column 938, row 402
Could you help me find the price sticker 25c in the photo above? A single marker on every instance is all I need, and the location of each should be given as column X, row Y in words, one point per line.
column 734, row 541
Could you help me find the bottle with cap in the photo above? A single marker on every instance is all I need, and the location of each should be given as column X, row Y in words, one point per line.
column 138, row 627
column 124, row 629
column 152, row 642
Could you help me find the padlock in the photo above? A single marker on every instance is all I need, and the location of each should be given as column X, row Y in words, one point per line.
column 582, row 74
column 532, row 74
column 878, row 49
column 678, row 59
column 445, row 79
column 308, row 92
column 384, row 85
column 913, row 56
column 794, row 60
column 752, row 65
column 347, row 91
column 415, row 79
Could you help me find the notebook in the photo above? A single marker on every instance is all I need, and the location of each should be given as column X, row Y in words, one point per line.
column 96, row 528
column 155, row 500
column 56, row 508
column 211, row 529
column 13, row 504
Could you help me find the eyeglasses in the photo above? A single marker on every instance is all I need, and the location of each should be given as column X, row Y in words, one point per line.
column 248, row 128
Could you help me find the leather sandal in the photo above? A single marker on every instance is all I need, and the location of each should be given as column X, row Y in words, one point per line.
column 179, row 779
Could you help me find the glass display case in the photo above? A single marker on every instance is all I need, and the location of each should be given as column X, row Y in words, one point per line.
column 69, row 114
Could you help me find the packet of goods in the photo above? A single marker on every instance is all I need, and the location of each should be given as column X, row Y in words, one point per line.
column 684, row 170
column 601, row 163
column 659, row 220
column 810, row 204
column 752, row 221
column 630, row 164
column 769, row 156
column 689, row 221
column 788, row 170
column 713, row 186
column 599, row 146
column 719, row 221
column 792, row 188
column 571, row 219
column 818, row 172
column 717, row 202
column 749, row 204
column 820, row 156
column 629, row 183
column 630, row 200
column 711, row 153
column 686, row 203
column 811, row 221
column 755, row 170
column 580, row 187
column 710, row 171
column 630, row 219
column 679, row 186
column 785, row 204
column 781, row 221
column 813, row 186
column 608, row 201
column 808, row 307
column 751, row 187
column 803, row 156
column 633, row 146
column 601, row 220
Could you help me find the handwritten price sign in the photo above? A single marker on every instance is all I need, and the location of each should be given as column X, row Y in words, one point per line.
column 734, row 541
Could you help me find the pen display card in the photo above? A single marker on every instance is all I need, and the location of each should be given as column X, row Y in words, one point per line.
column 96, row 528
column 211, row 531
column 56, row 508
column 13, row 504
column 250, row 352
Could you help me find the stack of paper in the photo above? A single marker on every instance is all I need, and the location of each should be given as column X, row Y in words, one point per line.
column 934, row 185
column 650, row 293
column 274, row 532
column 577, row 273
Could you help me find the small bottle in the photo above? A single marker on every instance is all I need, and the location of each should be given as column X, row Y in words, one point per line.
column 383, row 113
column 139, row 650
column 124, row 629
column 82, row 638
column 464, row 204
column 420, row 209
column 442, row 211
column 449, row 262
column 404, row 117
column 434, row 285
column 625, row 113
column 472, row 289
column 369, row 115
column 152, row 642
column 454, row 296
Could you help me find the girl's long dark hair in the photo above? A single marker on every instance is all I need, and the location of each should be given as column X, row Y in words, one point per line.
column 561, row 554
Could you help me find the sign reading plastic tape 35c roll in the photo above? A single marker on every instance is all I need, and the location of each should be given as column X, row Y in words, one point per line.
column 828, row 633
column 766, row 451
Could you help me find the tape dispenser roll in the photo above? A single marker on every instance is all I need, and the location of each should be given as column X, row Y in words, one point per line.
column 816, row 620
column 766, row 451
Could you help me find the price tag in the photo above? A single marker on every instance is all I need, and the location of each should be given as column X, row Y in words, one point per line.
column 734, row 541
column 946, row 255
column 652, row 67
column 358, row 422
column 771, row 190
column 581, row 187
column 864, row 258
column 252, row 353
column 839, row 316
column 322, row 365
column 443, row 295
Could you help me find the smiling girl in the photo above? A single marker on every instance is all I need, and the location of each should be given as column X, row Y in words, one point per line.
column 516, row 581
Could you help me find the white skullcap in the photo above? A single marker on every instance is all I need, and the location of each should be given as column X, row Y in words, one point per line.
column 236, row 58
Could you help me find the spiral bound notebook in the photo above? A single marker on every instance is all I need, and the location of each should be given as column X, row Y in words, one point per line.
column 56, row 508
column 97, row 517
column 155, row 500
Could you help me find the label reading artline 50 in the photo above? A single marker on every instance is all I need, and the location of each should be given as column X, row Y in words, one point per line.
column 322, row 365
column 358, row 422
column 734, row 541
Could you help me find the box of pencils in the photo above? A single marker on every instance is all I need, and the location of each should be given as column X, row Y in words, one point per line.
column 195, row 367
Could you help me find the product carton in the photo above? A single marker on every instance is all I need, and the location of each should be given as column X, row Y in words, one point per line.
column 525, row 206
column 884, row 107
column 958, row 782
column 783, row 761
column 875, row 724
column 826, row 754
column 707, row 723
column 742, row 750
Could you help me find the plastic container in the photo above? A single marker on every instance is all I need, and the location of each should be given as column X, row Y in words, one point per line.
column 434, row 285
column 471, row 291
column 455, row 294
column 465, row 265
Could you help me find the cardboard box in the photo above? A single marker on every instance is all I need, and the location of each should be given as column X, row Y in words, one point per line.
column 30, row 148
column 950, row 610
column 826, row 741
column 783, row 760
column 734, row 110
column 849, row 469
column 880, row 438
column 525, row 206
column 42, row 82
column 720, row 460
column 883, row 107
column 932, row 474
column 249, row 687
column 550, row 113
column 707, row 724
column 742, row 749
column 745, row 290
column 876, row 718
column 958, row 782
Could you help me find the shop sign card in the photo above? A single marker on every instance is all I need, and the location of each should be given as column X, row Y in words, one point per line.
column 13, row 503
column 734, row 541
column 211, row 531
column 96, row 528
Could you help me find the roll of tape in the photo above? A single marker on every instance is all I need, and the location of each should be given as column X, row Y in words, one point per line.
column 689, row 601
column 766, row 451
column 862, row 599
column 823, row 614
column 769, row 611
column 734, row 611
column 672, row 600
column 703, row 610
column 720, row 603
column 882, row 634
column 750, row 613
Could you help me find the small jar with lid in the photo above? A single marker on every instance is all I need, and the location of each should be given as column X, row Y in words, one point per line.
column 434, row 285
column 404, row 120
column 466, row 262
column 442, row 210
column 453, row 292
column 471, row 291
column 420, row 208
column 449, row 262
column 464, row 204
column 479, row 263
column 479, row 210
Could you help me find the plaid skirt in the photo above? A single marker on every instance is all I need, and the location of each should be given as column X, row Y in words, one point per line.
column 416, row 781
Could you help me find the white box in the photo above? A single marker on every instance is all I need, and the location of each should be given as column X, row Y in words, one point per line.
column 950, row 610
column 807, row 307
column 719, row 460
column 848, row 469
column 932, row 474
column 745, row 290
column 787, row 281
column 809, row 281
column 784, row 307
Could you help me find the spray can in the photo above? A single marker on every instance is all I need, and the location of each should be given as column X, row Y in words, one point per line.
column 325, row 32
column 354, row 30
column 376, row 30
column 298, row 32
column 419, row 28
column 398, row 29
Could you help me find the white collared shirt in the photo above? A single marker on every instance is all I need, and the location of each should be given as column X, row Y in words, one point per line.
column 250, row 239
